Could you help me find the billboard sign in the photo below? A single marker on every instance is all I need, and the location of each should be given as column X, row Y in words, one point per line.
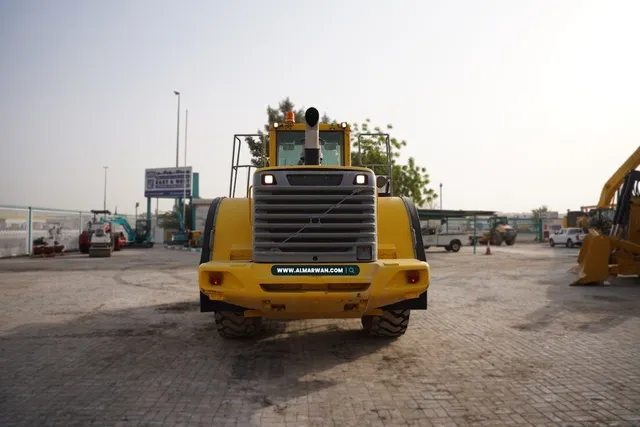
column 168, row 182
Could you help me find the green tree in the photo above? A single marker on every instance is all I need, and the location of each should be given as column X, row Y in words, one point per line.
column 409, row 180
column 537, row 212
column 169, row 220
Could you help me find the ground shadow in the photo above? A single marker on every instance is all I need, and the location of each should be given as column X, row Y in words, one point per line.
column 133, row 258
column 584, row 308
column 141, row 364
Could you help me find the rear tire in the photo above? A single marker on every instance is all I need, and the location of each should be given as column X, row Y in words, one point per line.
column 392, row 323
column 234, row 325
column 569, row 243
column 455, row 246
column 552, row 243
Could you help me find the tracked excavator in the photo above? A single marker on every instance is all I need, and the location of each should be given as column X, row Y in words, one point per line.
column 612, row 248
column 315, row 237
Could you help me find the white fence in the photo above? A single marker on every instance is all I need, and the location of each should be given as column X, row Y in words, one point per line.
column 19, row 226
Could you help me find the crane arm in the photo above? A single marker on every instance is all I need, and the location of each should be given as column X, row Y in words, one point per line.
column 614, row 183
column 180, row 220
column 131, row 234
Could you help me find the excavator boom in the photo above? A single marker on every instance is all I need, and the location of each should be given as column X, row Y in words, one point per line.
column 613, row 184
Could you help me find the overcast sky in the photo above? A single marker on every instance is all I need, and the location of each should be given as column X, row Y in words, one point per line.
column 510, row 104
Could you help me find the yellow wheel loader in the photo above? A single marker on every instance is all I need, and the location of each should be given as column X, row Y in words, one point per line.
column 315, row 238
column 617, row 253
column 499, row 231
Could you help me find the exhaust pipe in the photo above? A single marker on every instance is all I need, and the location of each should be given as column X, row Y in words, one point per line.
column 312, row 137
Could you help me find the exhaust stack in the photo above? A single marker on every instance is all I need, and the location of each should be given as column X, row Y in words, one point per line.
column 311, row 137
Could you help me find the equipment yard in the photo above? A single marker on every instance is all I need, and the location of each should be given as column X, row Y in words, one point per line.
column 505, row 341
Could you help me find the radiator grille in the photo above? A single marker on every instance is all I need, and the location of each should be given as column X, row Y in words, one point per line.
column 314, row 223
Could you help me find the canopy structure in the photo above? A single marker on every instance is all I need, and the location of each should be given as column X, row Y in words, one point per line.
column 427, row 214
column 437, row 214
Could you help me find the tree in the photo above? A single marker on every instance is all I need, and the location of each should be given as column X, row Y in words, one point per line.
column 431, row 204
column 537, row 212
column 169, row 220
column 409, row 180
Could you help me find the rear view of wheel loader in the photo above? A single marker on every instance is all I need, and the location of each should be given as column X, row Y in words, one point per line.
column 318, row 238
column 617, row 253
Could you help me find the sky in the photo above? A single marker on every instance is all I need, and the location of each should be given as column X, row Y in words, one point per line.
column 509, row 104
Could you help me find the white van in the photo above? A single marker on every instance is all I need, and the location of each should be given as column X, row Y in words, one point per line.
column 448, row 237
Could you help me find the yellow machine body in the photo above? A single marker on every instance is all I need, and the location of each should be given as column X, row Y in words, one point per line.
column 252, row 285
column 602, row 256
column 242, row 278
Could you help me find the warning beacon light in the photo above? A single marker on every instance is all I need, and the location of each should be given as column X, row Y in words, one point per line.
column 290, row 117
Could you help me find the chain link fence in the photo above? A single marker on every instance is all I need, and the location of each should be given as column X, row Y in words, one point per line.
column 528, row 229
column 20, row 226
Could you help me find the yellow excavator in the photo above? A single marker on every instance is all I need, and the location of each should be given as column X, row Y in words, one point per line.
column 613, row 248
column 315, row 237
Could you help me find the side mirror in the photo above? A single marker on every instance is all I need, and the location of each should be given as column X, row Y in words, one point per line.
column 383, row 184
column 381, row 181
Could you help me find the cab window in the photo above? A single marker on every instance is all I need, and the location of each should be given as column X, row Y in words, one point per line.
column 290, row 147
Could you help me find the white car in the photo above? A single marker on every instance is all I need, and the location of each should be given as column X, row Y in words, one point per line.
column 569, row 237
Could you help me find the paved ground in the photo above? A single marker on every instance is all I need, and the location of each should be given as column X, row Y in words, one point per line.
column 505, row 342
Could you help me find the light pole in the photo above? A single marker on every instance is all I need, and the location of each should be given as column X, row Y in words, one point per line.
column 104, row 201
column 440, row 196
column 184, row 180
column 177, row 128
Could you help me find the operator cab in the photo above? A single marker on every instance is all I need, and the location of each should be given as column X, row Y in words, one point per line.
column 289, row 145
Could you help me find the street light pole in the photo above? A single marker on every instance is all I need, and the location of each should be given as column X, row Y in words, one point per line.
column 104, row 201
column 177, row 128
column 184, row 200
column 440, row 196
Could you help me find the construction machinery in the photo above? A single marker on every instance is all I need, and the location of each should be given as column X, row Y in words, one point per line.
column 140, row 237
column 588, row 217
column 315, row 238
column 86, row 241
column 499, row 231
column 102, row 243
column 615, row 251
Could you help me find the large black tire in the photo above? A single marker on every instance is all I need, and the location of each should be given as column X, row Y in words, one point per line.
column 391, row 324
column 510, row 242
column 455, row 245
column 569, row 243
column 233, row 324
